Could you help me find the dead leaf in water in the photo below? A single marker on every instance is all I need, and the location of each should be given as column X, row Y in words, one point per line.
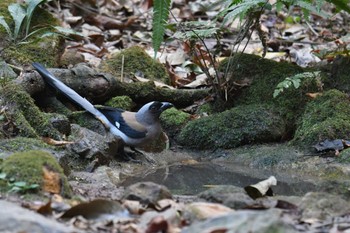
column 261, row 189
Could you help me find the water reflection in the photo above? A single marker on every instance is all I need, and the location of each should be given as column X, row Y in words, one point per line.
column 193, row 179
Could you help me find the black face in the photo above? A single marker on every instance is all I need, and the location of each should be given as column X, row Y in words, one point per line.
column 155, row 107
column 158, row 107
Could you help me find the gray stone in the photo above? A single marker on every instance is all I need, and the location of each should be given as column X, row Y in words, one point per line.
column 147, row 192
column 14, row 218
column 243, row 221
column 318, row 205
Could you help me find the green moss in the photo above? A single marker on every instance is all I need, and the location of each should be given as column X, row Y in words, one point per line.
column 28, row 166
column 123, row 102
column 205, row 109
column 238, row 126
column 173, row 120
column 326, row 117
column 44, row 50
column 136, row 59
column 22, row 144
column 344, row 156
column 339, row 78
column 263, row 75
column 86, row 120
column 27, row 117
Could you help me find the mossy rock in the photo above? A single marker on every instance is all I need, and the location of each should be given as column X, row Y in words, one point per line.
column 245, row 124
column 29, row 166
column 263, row 76
column 135, row 59
column 339, row 78
column 45, row 50
column 344, row 156
column 123, row 102
column 18, row 144
column 326, row 117
column 86, row 120
column 26, row 117
column 173, row 120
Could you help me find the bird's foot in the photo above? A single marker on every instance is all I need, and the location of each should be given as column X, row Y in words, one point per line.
column 130, row 157
column 148, row 158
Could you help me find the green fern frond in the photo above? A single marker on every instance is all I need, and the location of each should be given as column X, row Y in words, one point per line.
column 235, row 10
column 341, row 4
column 308, row 7
column 161, row 10
column 195, row 29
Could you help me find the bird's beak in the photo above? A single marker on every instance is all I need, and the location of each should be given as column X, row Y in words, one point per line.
column 165, row 106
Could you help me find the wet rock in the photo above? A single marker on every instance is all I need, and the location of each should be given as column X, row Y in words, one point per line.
column 147, row 192
column 243, row 221
column 229, row 195
column 61, row 123
column 102, row 183
column 17, row 219
column 317, row 205
column 91, row 145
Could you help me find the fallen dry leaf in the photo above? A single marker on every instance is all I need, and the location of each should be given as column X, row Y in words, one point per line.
column 51, row 181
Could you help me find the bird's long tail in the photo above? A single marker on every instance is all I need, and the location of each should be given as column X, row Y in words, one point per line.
column 71, row 94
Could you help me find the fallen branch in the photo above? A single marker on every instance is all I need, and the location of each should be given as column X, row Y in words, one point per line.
column 99, row 87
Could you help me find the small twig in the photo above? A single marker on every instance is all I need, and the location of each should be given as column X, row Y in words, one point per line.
column 15, row 67
column 122, row 71
column 311, row 29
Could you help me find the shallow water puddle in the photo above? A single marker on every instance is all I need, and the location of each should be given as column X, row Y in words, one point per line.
column 193, row 179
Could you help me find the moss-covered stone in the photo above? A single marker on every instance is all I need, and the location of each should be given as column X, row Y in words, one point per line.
column 18, row 144
column 238, row 126
column 26, row 117
column 44, row 50
column 326, row 117
column 29, row 167
column 344, row 156
column 173, row 120
column 262, row 76
column 86, row 120
column 135, row 59
column 123, row 102
column 339, row 78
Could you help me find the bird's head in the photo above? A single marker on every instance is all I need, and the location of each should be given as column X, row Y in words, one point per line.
column 150, row 112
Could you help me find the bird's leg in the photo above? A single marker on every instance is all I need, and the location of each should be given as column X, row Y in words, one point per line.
column 148, row 158
column 127, row 156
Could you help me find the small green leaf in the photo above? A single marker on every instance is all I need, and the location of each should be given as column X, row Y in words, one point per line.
column 32, row 5
column 279, row 6
column 2, row 176
column 18, row 14
column 20, row 184
column 296, row 83
column 33, row 186
column 6, row 26
column 67, row 31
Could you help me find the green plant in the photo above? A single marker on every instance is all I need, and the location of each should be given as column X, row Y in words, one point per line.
column 294, row 81
column 22, row 187
column 19, row 186
column 22, row 17
column 161, row 11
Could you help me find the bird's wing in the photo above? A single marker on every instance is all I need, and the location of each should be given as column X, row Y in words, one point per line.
column 72, row 95
column 125, row 121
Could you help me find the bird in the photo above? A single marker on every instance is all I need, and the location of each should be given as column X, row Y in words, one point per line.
column 136, row 129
